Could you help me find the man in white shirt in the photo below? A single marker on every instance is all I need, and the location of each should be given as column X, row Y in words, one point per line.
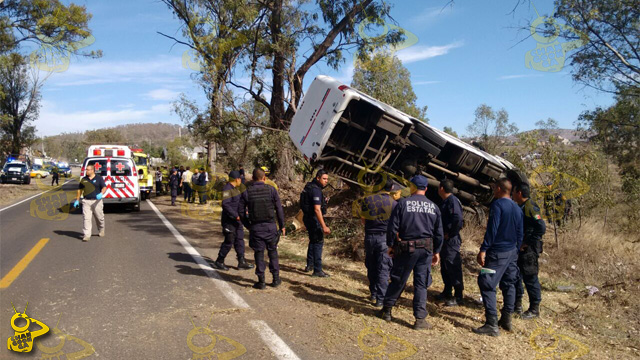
column 185, row 183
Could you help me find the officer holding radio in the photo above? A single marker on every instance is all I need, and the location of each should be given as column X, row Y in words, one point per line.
column 414, row 236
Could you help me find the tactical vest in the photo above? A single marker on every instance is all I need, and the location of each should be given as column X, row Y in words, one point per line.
column 261, row 206
column 306, row 203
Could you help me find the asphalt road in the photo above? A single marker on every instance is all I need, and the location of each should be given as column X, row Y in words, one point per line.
column 128, row 295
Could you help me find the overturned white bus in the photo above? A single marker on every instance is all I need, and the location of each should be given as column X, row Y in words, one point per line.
column 348, row 132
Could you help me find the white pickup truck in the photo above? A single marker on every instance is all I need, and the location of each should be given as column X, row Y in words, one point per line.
column 349, row 133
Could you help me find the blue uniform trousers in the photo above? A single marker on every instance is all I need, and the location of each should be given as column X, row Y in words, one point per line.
column 506, row 267
column 233, row 237
column 316, row 241
column 378, row 263
column 259, row 245
column 403, row 264
column 451, row 266
column 531, row 281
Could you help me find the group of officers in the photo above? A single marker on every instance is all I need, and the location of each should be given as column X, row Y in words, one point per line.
column 258, row 208
column 414, row 233
column 401, row 237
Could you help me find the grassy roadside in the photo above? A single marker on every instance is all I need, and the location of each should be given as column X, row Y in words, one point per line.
column 337, row 313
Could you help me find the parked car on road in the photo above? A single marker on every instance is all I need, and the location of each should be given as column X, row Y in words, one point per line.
column 15, row 173
column 39, row 172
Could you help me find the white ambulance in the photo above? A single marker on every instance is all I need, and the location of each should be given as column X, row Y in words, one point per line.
column 116, row 166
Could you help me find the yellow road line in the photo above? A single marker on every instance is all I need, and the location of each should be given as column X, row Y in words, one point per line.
column 22, row 264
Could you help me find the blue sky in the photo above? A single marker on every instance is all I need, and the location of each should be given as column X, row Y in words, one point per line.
column 467, row 54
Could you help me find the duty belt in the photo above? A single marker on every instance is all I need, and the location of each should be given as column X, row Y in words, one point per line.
column 410, row 245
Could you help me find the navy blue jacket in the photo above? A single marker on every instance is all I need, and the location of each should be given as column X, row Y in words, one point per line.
column 451, row 211
column 504, row 228
column 376, row 210
column 314, row 197
column 415, row 218
column 266, row 230
column 230, row 203
column 91, row 188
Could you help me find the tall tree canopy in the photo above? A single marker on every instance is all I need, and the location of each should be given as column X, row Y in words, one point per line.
column 491, row 127
column 610, row 30
column 385, row 78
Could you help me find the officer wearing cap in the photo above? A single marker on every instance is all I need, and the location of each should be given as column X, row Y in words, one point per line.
column 231, row 225
column 414, row 235
column 375, row 213
column 534, row 229
column 498, row 256
column 451, row 267
column 264, row 209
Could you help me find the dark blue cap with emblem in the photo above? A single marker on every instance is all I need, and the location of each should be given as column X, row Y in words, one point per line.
column 420, row 182
column 234, row 174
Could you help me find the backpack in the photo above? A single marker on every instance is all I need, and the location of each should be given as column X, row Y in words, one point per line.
column 261, row 206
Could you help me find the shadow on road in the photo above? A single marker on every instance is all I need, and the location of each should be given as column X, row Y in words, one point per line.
column 71, row 234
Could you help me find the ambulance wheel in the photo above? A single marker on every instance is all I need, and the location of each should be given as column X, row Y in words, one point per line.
column 136, row 207
column 143, row 196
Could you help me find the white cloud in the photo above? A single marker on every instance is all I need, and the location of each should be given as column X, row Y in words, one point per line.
column 162, row 94
column 164, row 70
column 426, row 82
column 421, row 52
column 430, row 14
column 53, row 120
column 511, row 77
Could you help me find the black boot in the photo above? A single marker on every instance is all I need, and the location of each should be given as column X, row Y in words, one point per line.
column 219, row 264
column 385, row 313
column 505, row 321
column 421, row 324
column 444, row 295
column 260, row 284
column 533, row 312
column 276, row 280
column 518, row 307
column 490, row 327
column 308, row 268
column 243, row 264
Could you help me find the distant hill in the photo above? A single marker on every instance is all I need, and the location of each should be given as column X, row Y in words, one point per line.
column 158, row 132
column 569, row 134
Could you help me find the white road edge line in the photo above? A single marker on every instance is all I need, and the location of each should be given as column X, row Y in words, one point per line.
column 29, row 198
column 224, row 287
column 273, row 341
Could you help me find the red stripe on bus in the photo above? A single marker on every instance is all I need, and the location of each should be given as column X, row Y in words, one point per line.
column 317, row 114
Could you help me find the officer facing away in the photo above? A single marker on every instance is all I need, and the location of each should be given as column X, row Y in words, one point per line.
column 451, row 267
column 92, row 188
column 264, row 208
column 414, row 235
column 375, row 213
column 534, row 229
column 314, row 207
column 231, row 225
column 498, row 256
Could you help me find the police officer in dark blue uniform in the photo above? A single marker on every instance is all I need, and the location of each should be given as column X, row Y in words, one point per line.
column 313, row 205
column 534, row 229
column 451, row 266
column 375, row 212
column 415, row 237
column 498, row 256
column 231, row 225
column 264, row 208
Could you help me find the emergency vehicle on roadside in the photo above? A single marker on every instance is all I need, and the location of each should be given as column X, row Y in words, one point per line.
column 145, row 178
column 116, row 166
